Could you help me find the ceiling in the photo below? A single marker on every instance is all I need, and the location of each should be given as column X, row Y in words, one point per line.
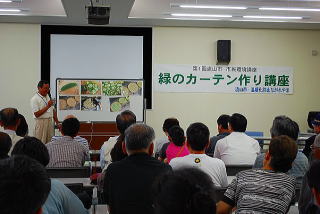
column 158, row 13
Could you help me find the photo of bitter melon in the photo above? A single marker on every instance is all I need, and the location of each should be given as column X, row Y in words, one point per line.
column 68, row 87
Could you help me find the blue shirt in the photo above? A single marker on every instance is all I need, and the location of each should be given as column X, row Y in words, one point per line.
column 62, row 200
column 299, row 166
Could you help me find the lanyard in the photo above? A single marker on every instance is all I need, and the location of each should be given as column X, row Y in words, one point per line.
column 42, row 98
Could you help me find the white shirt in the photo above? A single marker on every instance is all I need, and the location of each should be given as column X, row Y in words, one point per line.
column 38, row 102
column 214, row 167
column 105, row 156
column 14, row 138
column 237, row 149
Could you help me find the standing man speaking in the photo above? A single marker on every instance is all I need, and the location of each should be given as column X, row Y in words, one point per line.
column 43, row 112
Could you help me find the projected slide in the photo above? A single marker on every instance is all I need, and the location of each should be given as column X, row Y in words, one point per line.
column 93, row 100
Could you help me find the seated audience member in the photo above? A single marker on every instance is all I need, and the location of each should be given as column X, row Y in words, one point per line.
column 24, row 186
column 184, row 191
column 283, row 125
column 306, row 200
column 237, row 148
column 197, row 142
column 5, row 145
column 67, row 152
column 22, row 129
column 9, row 120
column 162, row 144
column 223, row 131
column 123, row 121
column 77, row 138
column 310, row 140
column 266, row 190
column 60, row 200
column 313, row 178
column 128, row 182
column 177, row 146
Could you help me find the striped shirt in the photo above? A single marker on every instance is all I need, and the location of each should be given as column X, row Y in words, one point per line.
column 261, row 191
column 67, row 152
column 77, row 138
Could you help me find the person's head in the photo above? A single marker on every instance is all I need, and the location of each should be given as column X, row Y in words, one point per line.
column 33, row 148
column 316, row 124
column 238, row 123
column 139, row 138
column 124, row 120
column 283, row 125
column 313, row 178
column 197, row 137
column 168, row 123
column 316, row 148
column 43, row 87
column 70, row 127
column 24, row 186
column 282, row 152
column 187, row 190
column 176, row 135
column 9, row 118
column 22, row 129
column 223, row 122
column 5, row 144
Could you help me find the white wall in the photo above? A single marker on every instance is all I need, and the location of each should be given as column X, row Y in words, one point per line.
column 20, row 72
column 19, row 66
column 260, row 47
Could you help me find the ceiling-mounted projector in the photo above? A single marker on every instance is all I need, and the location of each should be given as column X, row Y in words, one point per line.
column 98, row 15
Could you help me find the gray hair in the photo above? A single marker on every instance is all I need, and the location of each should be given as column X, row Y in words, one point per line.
column 139, row 136
column 283, row 125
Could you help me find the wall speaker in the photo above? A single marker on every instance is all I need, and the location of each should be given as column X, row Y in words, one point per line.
column 223, row 51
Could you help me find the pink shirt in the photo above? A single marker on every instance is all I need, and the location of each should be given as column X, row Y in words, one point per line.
column 174, row 151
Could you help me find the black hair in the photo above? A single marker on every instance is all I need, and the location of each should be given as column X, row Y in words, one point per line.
column 124, row 120
column 238, row 122
column 70, row 127
column 22, row 129
column 198, row 136
column 33, row 148
column 42, row 82
column 117, row 153
column 9, row 116
column 177, row 135
column 283, row 125
column 5, row 145
column 168, row 123
column 24, row 185
column 313, row 175
column 184, row 191
column 223, row 120
column 283, row 150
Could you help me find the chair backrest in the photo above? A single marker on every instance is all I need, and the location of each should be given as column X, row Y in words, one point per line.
column 256, row 134
column 70, row 172
column 232, row 170
column 76, row 188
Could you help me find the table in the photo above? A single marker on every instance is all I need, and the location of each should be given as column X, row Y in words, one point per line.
column 85, row 181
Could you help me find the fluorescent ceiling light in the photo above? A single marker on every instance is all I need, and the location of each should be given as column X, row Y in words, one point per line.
column 212, row 7
column 181, row 18
column 200, row 15
column 5, row 1
column 290, row 9
column 251, row 20
column 272, row 17
column 9, row 10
